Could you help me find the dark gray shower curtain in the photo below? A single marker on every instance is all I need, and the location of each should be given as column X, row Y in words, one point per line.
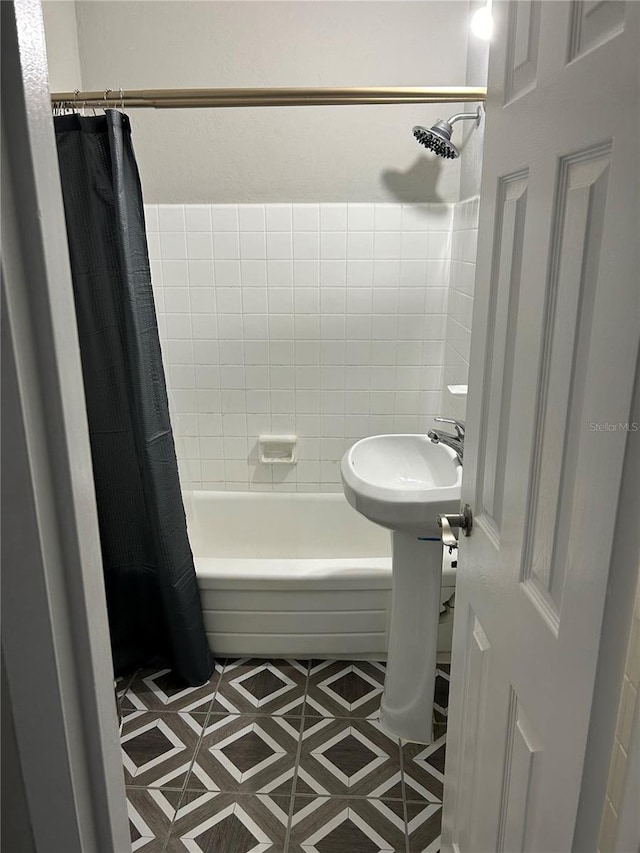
column 153, row 599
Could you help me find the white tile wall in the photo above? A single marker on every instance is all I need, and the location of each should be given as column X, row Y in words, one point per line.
column 326, row 320
column 460, row 305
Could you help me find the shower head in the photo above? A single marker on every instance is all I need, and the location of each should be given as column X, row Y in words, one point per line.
column 438, row 137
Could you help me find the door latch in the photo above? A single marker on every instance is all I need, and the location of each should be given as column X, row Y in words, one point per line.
column 455, row 521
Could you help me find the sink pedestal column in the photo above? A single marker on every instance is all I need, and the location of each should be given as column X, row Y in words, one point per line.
column 407, row 702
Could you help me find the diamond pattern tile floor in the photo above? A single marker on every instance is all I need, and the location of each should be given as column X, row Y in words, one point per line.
column 424, row 769
column 248, row 754
column 349, row 756
column 156, row 748
column 277, row 756
column 255, row 686
column 344, row 688
column 336, row 825
column 234, row 824
column 161, row 690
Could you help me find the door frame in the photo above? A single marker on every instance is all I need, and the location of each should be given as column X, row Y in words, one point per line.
column 624, row 577
column 55, row 636
column 47, row 470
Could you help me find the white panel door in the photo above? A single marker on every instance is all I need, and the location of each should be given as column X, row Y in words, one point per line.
column 555, row 335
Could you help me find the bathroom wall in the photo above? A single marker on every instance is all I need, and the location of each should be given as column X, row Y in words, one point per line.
column 63, row 55
column 621, row 756
column 472, row 138
column 460, row 305
column 326, row 321
column 307, row 154
column 465, row 236
column 281, row 308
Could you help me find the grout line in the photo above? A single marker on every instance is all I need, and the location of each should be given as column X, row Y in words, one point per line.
column 349, row 796
column 297, row 764
column 184, row 789
column 204, row 727
column 404, row 798
column 128, row 684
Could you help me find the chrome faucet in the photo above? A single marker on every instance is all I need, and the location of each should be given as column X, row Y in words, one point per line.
column 455, row 442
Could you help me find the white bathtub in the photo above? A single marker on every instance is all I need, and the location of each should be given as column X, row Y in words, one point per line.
column 293, row 575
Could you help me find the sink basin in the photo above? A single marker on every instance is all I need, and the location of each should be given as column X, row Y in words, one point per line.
column 402, row 481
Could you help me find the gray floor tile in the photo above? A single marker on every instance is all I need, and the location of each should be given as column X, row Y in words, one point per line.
column 161, row 690
column 157, row 749
column 151, row 813
column 247, row 754
column 347, row 825
column 349, row 756
column 345, row 688
column 229, row 823
column 256, row 686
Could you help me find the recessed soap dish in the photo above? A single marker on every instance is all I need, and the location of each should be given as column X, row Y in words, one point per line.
column 278, row 449
column 457, row 390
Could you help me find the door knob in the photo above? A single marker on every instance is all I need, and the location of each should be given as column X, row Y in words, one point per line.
column 455, row 521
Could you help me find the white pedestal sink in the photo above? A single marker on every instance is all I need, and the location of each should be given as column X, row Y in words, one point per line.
column 403, row 482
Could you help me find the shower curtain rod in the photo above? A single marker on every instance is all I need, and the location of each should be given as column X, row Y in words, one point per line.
column 267, row 97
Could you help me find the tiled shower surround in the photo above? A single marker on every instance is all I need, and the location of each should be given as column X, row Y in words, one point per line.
column 462, row 271
column 327, row 321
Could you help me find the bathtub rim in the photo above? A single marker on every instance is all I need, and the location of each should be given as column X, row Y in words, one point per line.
column 301, row 573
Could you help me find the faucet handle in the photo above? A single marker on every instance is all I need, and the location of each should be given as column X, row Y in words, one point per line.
column 459, row 425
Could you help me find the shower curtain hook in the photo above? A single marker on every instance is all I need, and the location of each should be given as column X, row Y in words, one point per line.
column 121, row 99
column 106, row 96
